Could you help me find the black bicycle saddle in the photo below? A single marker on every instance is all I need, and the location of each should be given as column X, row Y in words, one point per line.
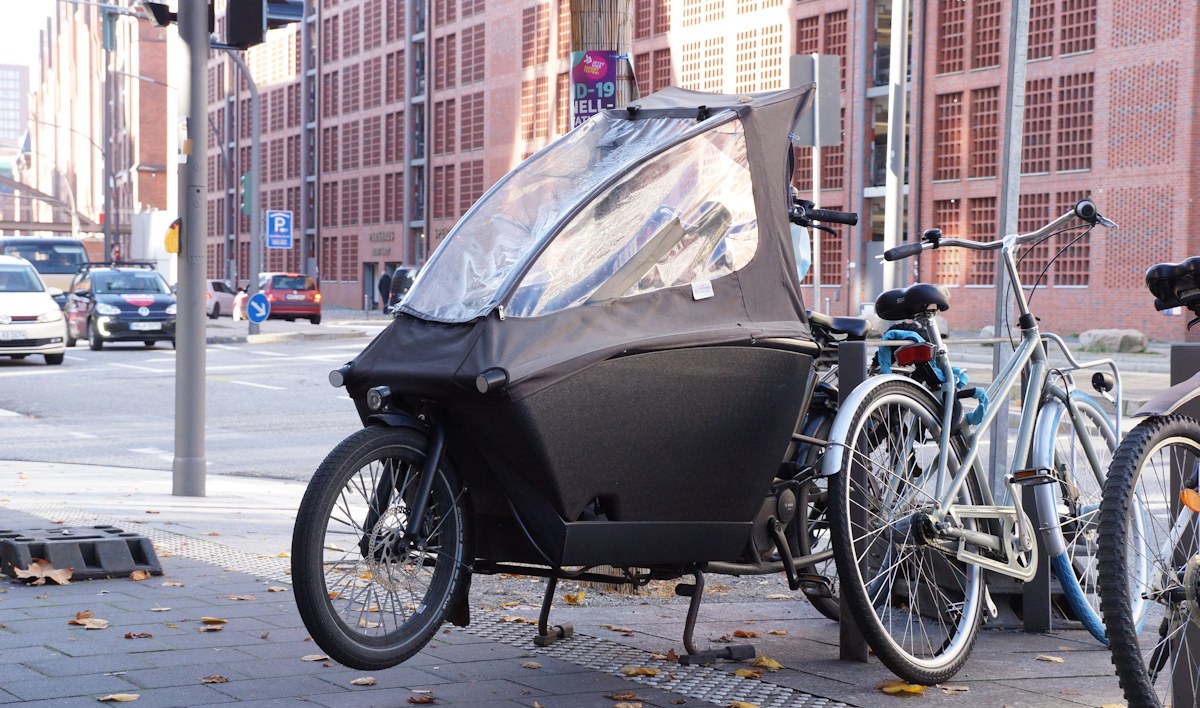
column 1175, row 284
column 854, row 328
column 907, row 303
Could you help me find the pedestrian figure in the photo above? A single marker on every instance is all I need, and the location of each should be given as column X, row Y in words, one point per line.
column 385, row 288
column 239, row 305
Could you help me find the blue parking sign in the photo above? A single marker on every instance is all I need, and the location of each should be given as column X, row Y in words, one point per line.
column 279, row 229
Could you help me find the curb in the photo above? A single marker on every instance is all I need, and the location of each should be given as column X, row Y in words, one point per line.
column 278, row 337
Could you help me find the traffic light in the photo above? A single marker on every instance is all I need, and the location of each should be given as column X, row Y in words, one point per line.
column 245, row 23
column 244, row 192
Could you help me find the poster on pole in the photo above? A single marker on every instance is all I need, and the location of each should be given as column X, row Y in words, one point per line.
column 593, row 83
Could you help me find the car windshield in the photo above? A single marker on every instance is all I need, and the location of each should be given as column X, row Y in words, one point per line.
column 126, row 282
column 292, row 282
column 51, row 258
column 19, row 279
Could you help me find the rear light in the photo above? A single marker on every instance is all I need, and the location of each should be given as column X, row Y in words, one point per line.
column 914, row 354
column 316, row 297
column 207, row 296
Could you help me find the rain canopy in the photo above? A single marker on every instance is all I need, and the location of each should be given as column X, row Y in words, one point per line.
column 663, row 224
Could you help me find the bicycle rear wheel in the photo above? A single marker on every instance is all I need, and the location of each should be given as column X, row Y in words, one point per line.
column 1149, row 548
column 812, row 523
column 918, row 608
column 370, row 596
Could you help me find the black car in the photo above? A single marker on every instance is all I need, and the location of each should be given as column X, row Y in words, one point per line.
column 120, row 302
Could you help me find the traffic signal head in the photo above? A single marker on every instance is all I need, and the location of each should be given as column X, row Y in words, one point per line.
column 244, row 192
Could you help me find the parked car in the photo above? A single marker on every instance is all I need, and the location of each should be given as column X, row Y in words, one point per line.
column 291, row 295
column 55, row 258
column 218, row 300
column 122, row 302
column 30, row 321
column 402, row 280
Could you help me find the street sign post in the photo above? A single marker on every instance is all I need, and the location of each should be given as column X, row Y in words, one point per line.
column 258, row 308
column 279, row 229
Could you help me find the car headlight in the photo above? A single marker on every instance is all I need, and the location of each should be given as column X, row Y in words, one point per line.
column 106, row 309
column 172, row 308
column 50, row 315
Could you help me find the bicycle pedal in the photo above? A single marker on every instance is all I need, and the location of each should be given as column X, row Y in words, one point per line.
column 1033, row 476
column 815, row 585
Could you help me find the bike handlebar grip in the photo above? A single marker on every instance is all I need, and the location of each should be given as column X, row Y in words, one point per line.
column 902, row 252
column 1086, row 210
column 848, row 218
column 337, row 377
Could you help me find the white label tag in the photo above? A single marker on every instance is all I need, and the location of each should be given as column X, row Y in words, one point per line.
column 702, row 289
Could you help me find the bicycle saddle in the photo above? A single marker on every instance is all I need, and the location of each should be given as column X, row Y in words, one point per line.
column 1175, row 284
column 907, row 303
column 855, row 328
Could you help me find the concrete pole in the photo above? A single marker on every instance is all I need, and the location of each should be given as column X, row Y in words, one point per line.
column 189, row 465
column 1010, row 195
column 106, row 38
column 893, row 199
column 814, row 234
column 255, row 174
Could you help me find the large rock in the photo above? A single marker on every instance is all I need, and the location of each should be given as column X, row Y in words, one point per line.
column 1113, row 340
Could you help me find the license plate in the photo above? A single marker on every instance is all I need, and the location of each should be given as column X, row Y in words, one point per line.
column 13, row 334
column 294, row 296
column 143, row 326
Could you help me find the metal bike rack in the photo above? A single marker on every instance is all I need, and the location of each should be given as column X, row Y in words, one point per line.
column 1185, row 362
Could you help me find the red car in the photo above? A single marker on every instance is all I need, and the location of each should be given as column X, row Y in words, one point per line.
column 292, row 295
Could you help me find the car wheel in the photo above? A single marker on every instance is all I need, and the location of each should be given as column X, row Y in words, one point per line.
column 149, row 342
column 216, row 311
column 54, row 359
column 70, row 338
column 18, row 357
column 172, row 343
column 95, row 341
column 315, row 320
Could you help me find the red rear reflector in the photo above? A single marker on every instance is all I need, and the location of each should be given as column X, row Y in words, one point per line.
column 914, row 354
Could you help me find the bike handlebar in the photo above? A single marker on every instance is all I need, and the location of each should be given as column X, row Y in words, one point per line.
column 1084, row 210
column 804, row 212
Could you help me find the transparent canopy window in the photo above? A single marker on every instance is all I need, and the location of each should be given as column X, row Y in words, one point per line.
column 691, row 207
column 684, row 216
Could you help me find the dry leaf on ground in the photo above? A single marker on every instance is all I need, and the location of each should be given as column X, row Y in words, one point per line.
column 509, row 604
column 623, row 696
column 765, row 662
column 893, row 688
column 778, row 632
column 214, row 679
column 614, row 628
column 639, row 671
column 40, row 570
column 160, row 609
column 627, row 704
column 531, row 665
column 748, row 673
column 139, row 575
column 745, row 634
column 314, row 657
column 120, row 697
column 742, row 704
column 243, row 597
column 364, row 681
column 138, row 635
column 209, row 628
column 670, row 656
column 80, row 616
column 276, row 588
column 213, row 620
column 1051, row 659
column 172, row 584
column 575, row 598
column 953, row 690
column 422, row 700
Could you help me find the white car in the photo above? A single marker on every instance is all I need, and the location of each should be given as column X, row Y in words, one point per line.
column 219, row 298
column 30, row 320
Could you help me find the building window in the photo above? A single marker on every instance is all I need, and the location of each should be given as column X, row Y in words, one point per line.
column 444, row 123
column 370, row 199
column 445, row 12
column 952, row 19
column 445, row 62
column 535, row 35
column 474, row 54
column 534, row 109
column 443, row 192
column 329, row 149
column 808, row 35
column 982, row 215
column 662, row 16
column 1039, row 124
column 835, row 41
column 714, row 65
column 1078, row 26
column 1074, row 122
column 373, row 25
column 329, row 94
column 349, row 259
column 329, row 261
column 473, row 121
column 329, row 203
column 692, row 12
column 1041, row 29
column 745, row 7
column 662, row 69
column 393, row 193
column 472, row 7
column 350, row 196
column 985, row 45
column 350, row 89
column 947, row 162
column 329, row 40
column 691, row 65
column 372, row 73
column 746, row 61
column 394, row 88
column 1072, row 265
column 562, row 104
column 1033, row 211
column 395, row 20
column 471, row 184
column 350, row 146
column 714, row 10
column 770, row 73
column 351, row 31
column 985, row 114
column 947, row 262
column 564, row 29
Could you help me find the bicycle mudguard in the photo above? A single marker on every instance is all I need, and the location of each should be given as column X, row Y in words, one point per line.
column 398, row 420
column 1169, row 401
column 831, row 463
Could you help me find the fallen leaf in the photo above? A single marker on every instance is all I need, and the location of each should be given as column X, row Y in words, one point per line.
column 210, row 628
column 172, row 625
column 160, row 609
column 80, row 616
column 313, row 657
column 764, row 662
column 742, row 704
column 213, row 620
column 172, row 584
column 367, row 624
column 893, row 688
column 265, row 634
column 639, row 671
column 138, row 635
column 285, row 554
column 745, row 634
column 748, row 673
column 670, row 656
column 509, row 604
column 678, row 701
column 214, row 679
column 364, row 681
column 421, row 700
column 623, row 696
column 148, row 511
column 276, row 588
column 120, row 697
column 778, row 632
column 779, row 596
column 519, row 620
column 575, row 598
column 139, row 575
column 242, row 597
column 212, row 533
column 531, row 665
column 623, row 630
column 628, row 704
column 1051, row 659
column 951, row 690
column 40, row 570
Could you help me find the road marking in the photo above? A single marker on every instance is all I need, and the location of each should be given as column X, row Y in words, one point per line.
column 35, row 372
column 344, row 398
column 238, row 367
column 258, row 385
column 142, row 368
column 76, row 358
column 149, row 451
column 82, row 435
column 9, row 414
column 263, row 353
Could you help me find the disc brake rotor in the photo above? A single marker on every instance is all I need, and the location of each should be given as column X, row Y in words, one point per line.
column 1191, row 591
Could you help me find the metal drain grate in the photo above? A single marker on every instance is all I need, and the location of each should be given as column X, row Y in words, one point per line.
column 266, row 567
column 702, row 682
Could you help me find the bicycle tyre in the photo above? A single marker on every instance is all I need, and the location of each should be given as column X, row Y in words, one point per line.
column 951, row 604
column 1135, row 514
column 812, row 521
column 367, row 600
column 1079, row 491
